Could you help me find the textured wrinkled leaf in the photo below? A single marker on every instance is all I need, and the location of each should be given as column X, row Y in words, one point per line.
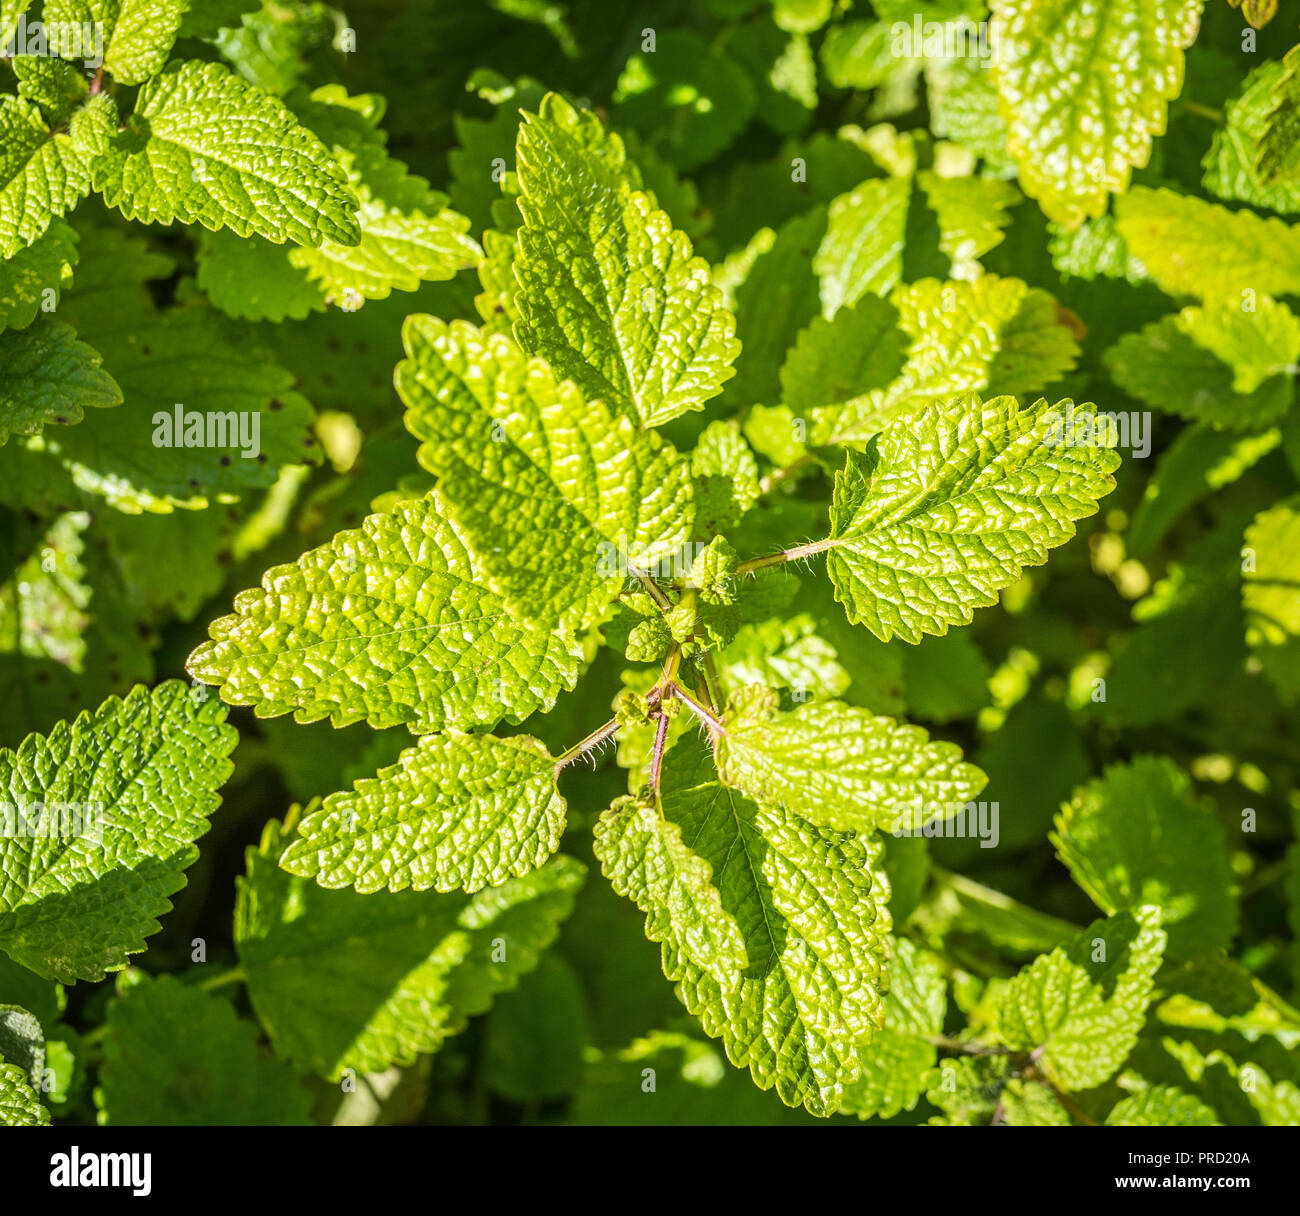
column 204, row 146
column 725, row 476
column 810, row 904
column 555, row 494
column 1141, row 835
column 1081, row 1007
column 53, row 85
column 137, row 35
column 896, row 1061
column 146, row 769
column 609, row 292
column 42, row 175
column 49, row 378
column 408, row 234
column 44, row 266
column 458, row 812
column 177, row 1056
column 341, row 980
column 391, row 623
column 840, row 766
column 19, row 1105
column 785, row 654
column 1084, row 86
column 1194, row 248
column 1161, row 1106
column 951, row 505
column 645, row 859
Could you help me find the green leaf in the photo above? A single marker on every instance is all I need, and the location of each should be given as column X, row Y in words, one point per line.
column 610, row 293
column 144, row 772
column 1141, row 835
column 862, row 251
column 1194, row 248
column 22, row 1042
column 43, row 605
column 861, row 348
column 968, row 1088
column 896, row 1062
column 206, row 21
column 177, row 1056
column 785, row 73
column 253, row 280
column 995, row 336
column 42, row 175
column 1195, row 608
column 50, row 378
column 10, row 11
column 475, row 185
column 44, row 266
column 840, row 766
column 645, row 859
column 1277, row 145
column 813, row 918
column 776, row 299
column 1084, row 90
column 1161, row 1106
column 557, row 495
column 1230, row 164
column 1214, row 364
column 1199, row 462
column 725, row 476
column 963, row 100
column 784, row 653
column 950, row 506
column 690, row 99
column 19, row 1105
column 408, row 234
column 1271, row 595
column 1080, row 1008
column 255, row 169
column 536, row 1035
column 945, row 677
column 137, row 35
column 390, row 623
column 458, row 812
column 228, row 391
column 341, row 980
column 53, row 85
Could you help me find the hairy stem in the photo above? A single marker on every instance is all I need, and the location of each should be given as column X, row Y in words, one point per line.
column 714, row 724
column 657, row 755
column 589, row 744
column 655, row 592
column 786, row 555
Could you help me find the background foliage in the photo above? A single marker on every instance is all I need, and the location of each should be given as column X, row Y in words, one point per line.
column 889, row 231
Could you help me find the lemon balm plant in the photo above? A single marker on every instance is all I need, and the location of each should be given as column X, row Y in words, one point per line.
column 730, row 517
